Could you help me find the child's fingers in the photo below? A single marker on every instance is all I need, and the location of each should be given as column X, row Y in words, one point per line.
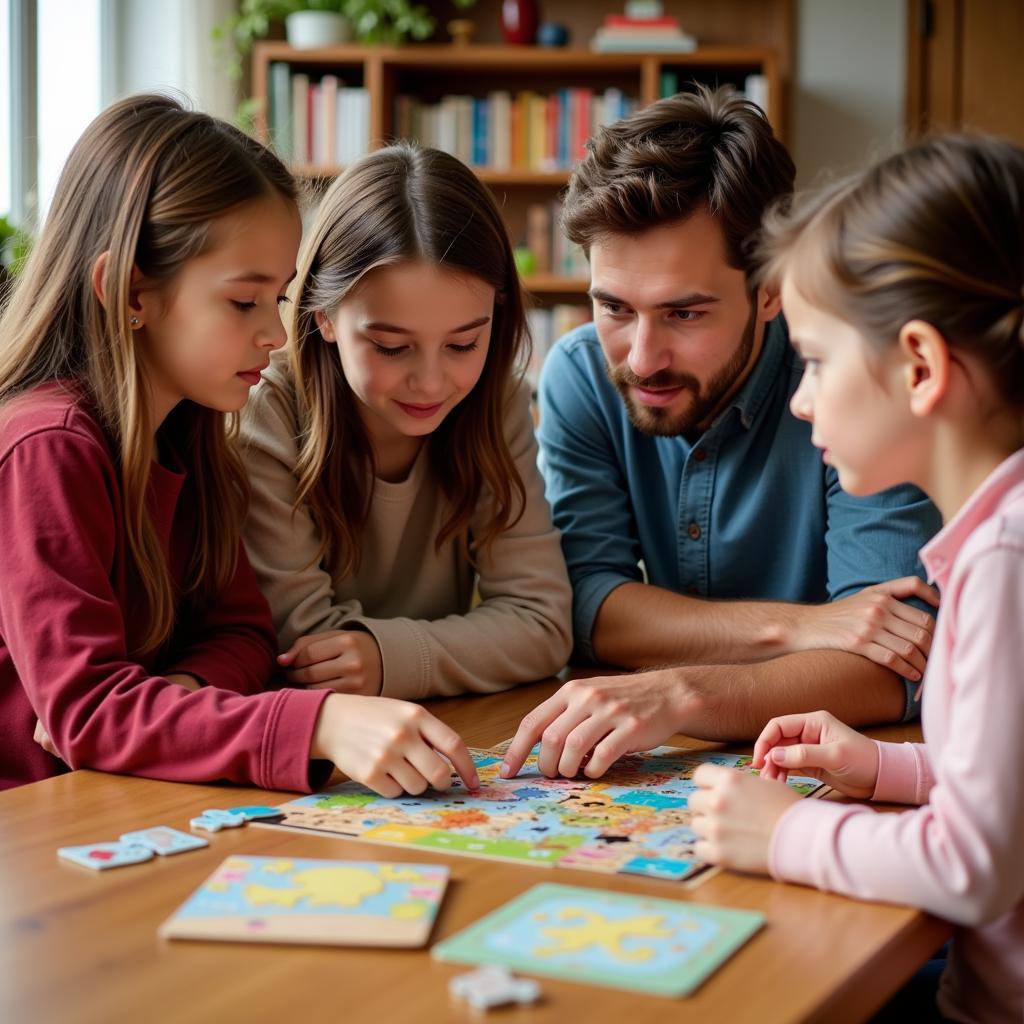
column 803, row 756
column 432, row 766
column 321, row 672
column 320, row 649
column 785, row 729
column 707, row 776
column 448, row 742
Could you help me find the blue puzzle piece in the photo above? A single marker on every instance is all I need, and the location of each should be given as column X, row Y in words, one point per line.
column 655, row 867
column 643, row 799
column 214, row 819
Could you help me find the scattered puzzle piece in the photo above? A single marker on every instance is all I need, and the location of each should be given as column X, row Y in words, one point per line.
column 164, row 840
column 258, row 811
column 101, row 856
column 493, row 986
column 214, row 819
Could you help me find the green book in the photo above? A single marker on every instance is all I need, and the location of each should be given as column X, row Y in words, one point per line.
column 644, row 944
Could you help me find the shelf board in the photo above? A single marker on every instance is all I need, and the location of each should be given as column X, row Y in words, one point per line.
column 431, row 55
column 488, row 175
column 553, row 284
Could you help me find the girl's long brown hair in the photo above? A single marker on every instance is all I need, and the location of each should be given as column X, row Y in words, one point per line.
column 404, row 203
column 144, row 184
column 934, row 233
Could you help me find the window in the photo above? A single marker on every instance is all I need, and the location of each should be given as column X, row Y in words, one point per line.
column 67, row 82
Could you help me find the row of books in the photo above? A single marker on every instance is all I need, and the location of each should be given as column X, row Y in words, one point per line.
column 546, row 327
column 552, row 252
column 325, row 122
column 753, row 87
column 502, row 131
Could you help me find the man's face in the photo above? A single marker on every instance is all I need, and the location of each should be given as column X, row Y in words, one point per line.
column 679, row 330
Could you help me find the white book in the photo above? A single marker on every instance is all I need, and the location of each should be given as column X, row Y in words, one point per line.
column 755, row 88
column 501, row 129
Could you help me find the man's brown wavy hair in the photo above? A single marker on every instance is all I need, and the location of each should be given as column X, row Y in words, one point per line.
column 706, row 150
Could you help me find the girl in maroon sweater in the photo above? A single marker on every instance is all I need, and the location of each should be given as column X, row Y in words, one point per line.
column 133, row 637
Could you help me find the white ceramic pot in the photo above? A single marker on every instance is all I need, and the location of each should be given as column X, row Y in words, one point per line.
column 308, row 30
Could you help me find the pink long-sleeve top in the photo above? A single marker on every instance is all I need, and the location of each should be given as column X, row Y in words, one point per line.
column 960, row 855
column 66, row 605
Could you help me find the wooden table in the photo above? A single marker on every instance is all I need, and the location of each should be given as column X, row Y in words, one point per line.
column 78, row 946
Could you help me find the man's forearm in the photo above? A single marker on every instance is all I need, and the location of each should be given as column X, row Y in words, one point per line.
column 640, row 625
column 734, row 702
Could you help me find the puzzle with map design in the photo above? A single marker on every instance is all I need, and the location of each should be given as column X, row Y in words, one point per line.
column 297, row 900
column 659, row 946
column 634, row 820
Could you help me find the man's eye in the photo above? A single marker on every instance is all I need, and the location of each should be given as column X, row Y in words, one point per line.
column 243, row 307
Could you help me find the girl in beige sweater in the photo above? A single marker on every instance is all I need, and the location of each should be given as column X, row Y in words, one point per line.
column 391, row 450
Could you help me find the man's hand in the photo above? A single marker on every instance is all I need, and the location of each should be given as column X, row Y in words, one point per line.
column 345, row 660
column 589, row 723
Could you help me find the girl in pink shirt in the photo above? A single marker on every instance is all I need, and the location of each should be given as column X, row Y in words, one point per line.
column 133, row 637
column 904, row 292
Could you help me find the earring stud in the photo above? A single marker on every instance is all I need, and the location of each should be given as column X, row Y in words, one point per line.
column 134, row 321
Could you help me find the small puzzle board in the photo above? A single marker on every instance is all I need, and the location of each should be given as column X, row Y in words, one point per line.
column 635, row 820
column 662, row 947
column 297, row 900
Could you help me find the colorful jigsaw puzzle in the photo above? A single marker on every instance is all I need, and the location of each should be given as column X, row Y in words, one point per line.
column 333, row 902
column 664, row 947
column 635, row 820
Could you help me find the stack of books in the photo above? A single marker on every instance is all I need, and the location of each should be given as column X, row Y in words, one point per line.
column 642, row 29
column 502, row 131
column 325, row 123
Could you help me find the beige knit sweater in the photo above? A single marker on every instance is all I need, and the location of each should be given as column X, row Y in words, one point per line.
column 416, row 601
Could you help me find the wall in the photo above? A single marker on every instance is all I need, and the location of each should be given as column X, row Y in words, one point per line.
column 850, row 83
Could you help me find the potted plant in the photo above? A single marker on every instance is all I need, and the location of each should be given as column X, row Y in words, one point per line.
column 369, row 21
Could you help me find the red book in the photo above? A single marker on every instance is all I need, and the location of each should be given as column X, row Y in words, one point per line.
column 581, row 125
column 551, row 134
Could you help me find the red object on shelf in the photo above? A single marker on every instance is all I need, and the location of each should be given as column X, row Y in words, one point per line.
column 519, row 20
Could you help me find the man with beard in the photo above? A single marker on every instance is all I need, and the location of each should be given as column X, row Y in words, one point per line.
column 702, row 529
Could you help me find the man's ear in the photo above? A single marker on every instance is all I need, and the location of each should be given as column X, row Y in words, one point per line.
column 323, row 322
column 769, row 302
column 926, row 365
column 135, row 307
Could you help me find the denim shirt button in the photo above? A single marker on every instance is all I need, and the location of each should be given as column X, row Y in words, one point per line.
column 693, row 531
column 699, row 455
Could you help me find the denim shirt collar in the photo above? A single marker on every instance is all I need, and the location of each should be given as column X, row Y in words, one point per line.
column 749, row 400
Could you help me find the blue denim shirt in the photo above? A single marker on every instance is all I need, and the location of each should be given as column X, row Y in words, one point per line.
column 748, row 510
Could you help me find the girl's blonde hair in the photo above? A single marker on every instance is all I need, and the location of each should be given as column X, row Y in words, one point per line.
column 144, row 184
column 934, row 233
column 404, row 203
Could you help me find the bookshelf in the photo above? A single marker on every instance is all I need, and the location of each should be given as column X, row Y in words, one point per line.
column 430, row 73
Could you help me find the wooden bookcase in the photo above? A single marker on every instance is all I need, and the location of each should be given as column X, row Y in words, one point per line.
column 430, row 71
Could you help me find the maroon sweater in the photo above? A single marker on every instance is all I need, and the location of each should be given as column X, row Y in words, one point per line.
column 66, row 601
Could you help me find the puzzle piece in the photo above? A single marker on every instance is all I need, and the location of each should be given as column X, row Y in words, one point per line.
column 493, row 986
column 101, row 856
column 164, row 841
column 258, row 811
column 213, row 820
